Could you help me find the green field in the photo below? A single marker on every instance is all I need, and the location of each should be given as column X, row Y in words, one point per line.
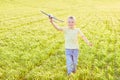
column 31, row 49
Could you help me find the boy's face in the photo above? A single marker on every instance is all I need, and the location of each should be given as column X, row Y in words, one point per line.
column 71, row 23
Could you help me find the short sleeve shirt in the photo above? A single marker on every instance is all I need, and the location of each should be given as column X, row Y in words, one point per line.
column 71, row 38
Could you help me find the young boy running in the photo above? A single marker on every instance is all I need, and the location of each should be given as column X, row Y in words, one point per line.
column 71, row 42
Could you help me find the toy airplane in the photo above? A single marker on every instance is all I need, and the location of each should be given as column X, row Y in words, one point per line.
column 49, row 15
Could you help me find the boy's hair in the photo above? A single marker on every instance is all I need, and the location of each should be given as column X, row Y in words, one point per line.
column 72, row 17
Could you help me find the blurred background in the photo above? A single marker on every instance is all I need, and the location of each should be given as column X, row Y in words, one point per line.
column 31, row 49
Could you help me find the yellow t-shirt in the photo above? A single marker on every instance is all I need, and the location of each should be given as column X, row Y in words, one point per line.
column 71, row 38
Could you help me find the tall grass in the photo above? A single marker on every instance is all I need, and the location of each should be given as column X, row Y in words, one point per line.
column 31, row 49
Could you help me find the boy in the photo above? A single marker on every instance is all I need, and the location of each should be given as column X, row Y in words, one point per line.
column 71, row 42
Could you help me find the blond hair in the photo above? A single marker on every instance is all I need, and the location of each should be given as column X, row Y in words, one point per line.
column 72, row 17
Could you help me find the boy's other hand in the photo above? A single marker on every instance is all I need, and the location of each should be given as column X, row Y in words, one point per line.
column 90, row 44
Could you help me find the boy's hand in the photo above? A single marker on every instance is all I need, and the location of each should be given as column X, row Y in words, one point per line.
column 90, row 44
column 51, row 18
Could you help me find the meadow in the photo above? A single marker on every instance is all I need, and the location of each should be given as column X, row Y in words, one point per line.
column 31, row 49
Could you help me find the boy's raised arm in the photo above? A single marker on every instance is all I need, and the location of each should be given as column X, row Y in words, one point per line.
column 55, row 25
column 84, row 38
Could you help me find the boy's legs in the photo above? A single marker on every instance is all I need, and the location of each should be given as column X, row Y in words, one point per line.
column 69, row 61
column 75, row 59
